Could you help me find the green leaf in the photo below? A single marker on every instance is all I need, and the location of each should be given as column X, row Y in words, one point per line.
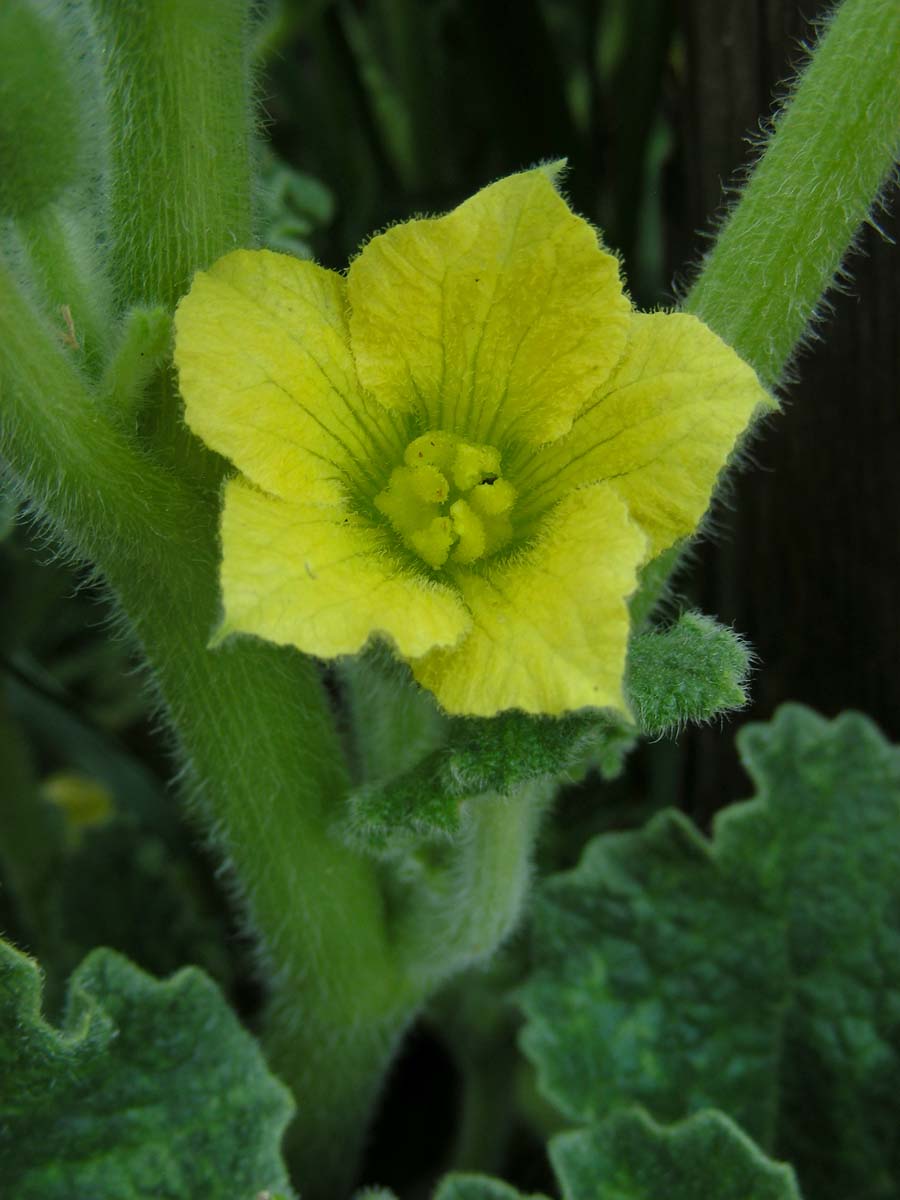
column 649, row 961
column 630, row 1157
column 148, row 1089
column 759, row 973
column 692, row 671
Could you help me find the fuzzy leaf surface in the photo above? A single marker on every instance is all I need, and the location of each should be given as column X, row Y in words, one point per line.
column 631, row 1157
column 758, row 973
column 148, row 1088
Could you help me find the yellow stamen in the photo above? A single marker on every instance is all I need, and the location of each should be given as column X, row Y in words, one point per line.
column 442, row 470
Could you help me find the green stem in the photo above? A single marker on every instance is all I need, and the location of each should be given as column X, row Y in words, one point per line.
column 486, row 1108
column 832, row 150
column 178, row 91
column 252, row 722
column 144, row 341
column 478, row 1024
column 62, row 258
column 473, row 897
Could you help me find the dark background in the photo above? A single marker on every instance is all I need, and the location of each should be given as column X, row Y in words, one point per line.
column 809, row 565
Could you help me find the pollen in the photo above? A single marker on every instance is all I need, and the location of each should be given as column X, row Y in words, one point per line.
column 449, row 502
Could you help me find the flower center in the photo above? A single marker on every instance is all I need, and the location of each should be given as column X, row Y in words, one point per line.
column 448, row 500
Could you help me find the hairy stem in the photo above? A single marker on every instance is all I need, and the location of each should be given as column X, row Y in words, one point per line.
column 832, row 150
column 252, row 723
column 486, row 1116
column 834, row 147
column 472, row 898
column 61, row 256
column 178, row 90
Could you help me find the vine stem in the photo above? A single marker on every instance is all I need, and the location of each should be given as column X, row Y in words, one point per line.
column 833, row 148
column 62, row 254
column 178, row 89
column 260, row 751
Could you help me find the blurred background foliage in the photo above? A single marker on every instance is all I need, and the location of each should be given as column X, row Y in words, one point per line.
column 400, row 107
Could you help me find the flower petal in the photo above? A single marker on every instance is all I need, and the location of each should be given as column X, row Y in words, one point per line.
column 317, row 578
column 268, row 378
column 550, row 628
column 661, row 430
column 498, row 320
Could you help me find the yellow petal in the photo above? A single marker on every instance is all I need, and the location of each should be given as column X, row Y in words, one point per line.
column 268, row 378
column 661, row 430
column 550, row 627
column 318, row 578
column 496, row 321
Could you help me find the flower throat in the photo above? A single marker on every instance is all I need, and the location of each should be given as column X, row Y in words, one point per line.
column 449, row 502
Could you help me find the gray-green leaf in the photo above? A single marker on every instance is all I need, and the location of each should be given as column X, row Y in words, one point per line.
column 759, row 973
column 630, row 1157
column 149, row 1089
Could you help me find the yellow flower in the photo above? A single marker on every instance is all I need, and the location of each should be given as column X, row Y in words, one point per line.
column 468, row 446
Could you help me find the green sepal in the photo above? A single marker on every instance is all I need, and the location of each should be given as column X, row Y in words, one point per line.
column 631, row 1157
column 690, row 672
column 758, row 973
column 148, row 1089
column 496, row 755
